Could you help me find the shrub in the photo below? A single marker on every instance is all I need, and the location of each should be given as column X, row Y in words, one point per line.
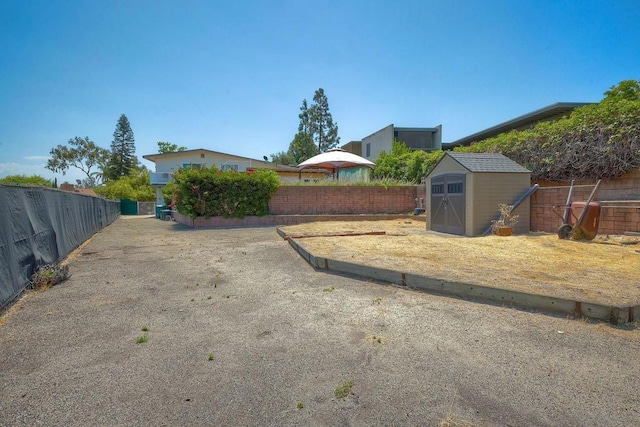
column 405, row 164
column 134, row 187
column 210, row 192
column 48, row 275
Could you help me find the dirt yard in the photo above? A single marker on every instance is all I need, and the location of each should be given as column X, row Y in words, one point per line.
column 604, row 270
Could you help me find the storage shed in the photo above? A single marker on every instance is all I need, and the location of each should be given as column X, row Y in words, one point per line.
column 465, row 189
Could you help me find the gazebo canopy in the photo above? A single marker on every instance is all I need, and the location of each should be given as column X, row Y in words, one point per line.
column 335, row 158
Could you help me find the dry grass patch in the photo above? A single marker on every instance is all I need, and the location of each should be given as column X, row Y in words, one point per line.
column 534, row 263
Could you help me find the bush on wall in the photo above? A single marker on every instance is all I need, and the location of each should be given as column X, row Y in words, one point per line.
column 595, row 141
column 210, row 192
column 405, row 164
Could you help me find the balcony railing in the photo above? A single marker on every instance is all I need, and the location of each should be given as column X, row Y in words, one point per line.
column 161, row 178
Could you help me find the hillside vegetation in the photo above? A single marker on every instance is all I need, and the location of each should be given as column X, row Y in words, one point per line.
column 595, row 141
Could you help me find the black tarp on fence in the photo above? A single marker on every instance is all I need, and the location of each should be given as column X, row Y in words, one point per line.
column 41, row 226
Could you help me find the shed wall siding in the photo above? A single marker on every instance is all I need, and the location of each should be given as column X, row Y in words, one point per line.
column 448, row 165
column 469, row 205
column 491, row 189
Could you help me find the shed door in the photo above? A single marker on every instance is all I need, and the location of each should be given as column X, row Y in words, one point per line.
column 448, row 203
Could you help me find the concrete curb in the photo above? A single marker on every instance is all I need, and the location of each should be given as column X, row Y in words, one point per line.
column 612, row 314
column 275, row 220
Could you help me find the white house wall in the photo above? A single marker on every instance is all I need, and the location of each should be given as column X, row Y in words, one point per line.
column 173, row 163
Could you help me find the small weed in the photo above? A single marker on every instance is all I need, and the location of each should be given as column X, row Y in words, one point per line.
column 142, row 339
column 244, row 252
column 48, row 275
column 343, row 390
column 226, row 296
column 331, row 289
column 377, row 300
column 193, row 299
column 144, row 328
column 209, row 297
column 211, row 356
column 197, row 284
column 300, row 405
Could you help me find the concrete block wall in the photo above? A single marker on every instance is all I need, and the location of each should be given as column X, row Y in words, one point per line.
column 331, row 200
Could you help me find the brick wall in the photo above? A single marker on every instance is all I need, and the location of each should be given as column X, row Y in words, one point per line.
column 620, row 199
column 317, row 200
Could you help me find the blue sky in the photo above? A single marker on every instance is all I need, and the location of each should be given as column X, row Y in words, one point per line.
column 231, row 76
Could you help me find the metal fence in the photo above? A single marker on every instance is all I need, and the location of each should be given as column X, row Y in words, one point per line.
column 41, row 226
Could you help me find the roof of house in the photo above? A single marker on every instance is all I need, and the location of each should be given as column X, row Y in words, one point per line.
column 487, row 162
column 153, row 157
column 550, row 112
column 70, row 188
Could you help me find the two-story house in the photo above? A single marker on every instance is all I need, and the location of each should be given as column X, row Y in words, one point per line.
column 167, row 163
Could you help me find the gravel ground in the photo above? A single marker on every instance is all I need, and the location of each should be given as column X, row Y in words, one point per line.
column 283, row 337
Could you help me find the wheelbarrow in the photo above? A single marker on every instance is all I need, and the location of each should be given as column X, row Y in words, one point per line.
column 586, row 225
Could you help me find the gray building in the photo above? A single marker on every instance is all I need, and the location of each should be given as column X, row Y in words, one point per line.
column 426, row 139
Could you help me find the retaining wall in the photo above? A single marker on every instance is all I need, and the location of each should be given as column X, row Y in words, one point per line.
column 620, row 200
column 332, row 200
column 41, row 226
column 272, row 220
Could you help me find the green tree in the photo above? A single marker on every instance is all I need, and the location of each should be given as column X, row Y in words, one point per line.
column 134, row 186
column 322, row 128
column 305, row 118
column 80, row 153
column 122, row 160
column 283, row 158
column 33, row 180
column 404, row 164
column 302, row 148
column 626, row 89
column 167, row 147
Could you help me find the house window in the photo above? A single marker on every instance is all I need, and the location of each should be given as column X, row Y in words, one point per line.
column 202, row 155
column 437, row 189
column 192, row 165
column 368, row 150
column 229, row 166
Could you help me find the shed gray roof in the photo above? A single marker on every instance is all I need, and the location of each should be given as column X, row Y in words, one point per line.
column 487, row 162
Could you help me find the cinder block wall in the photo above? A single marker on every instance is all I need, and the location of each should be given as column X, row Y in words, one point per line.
column 620, row 199
column 330, row 200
